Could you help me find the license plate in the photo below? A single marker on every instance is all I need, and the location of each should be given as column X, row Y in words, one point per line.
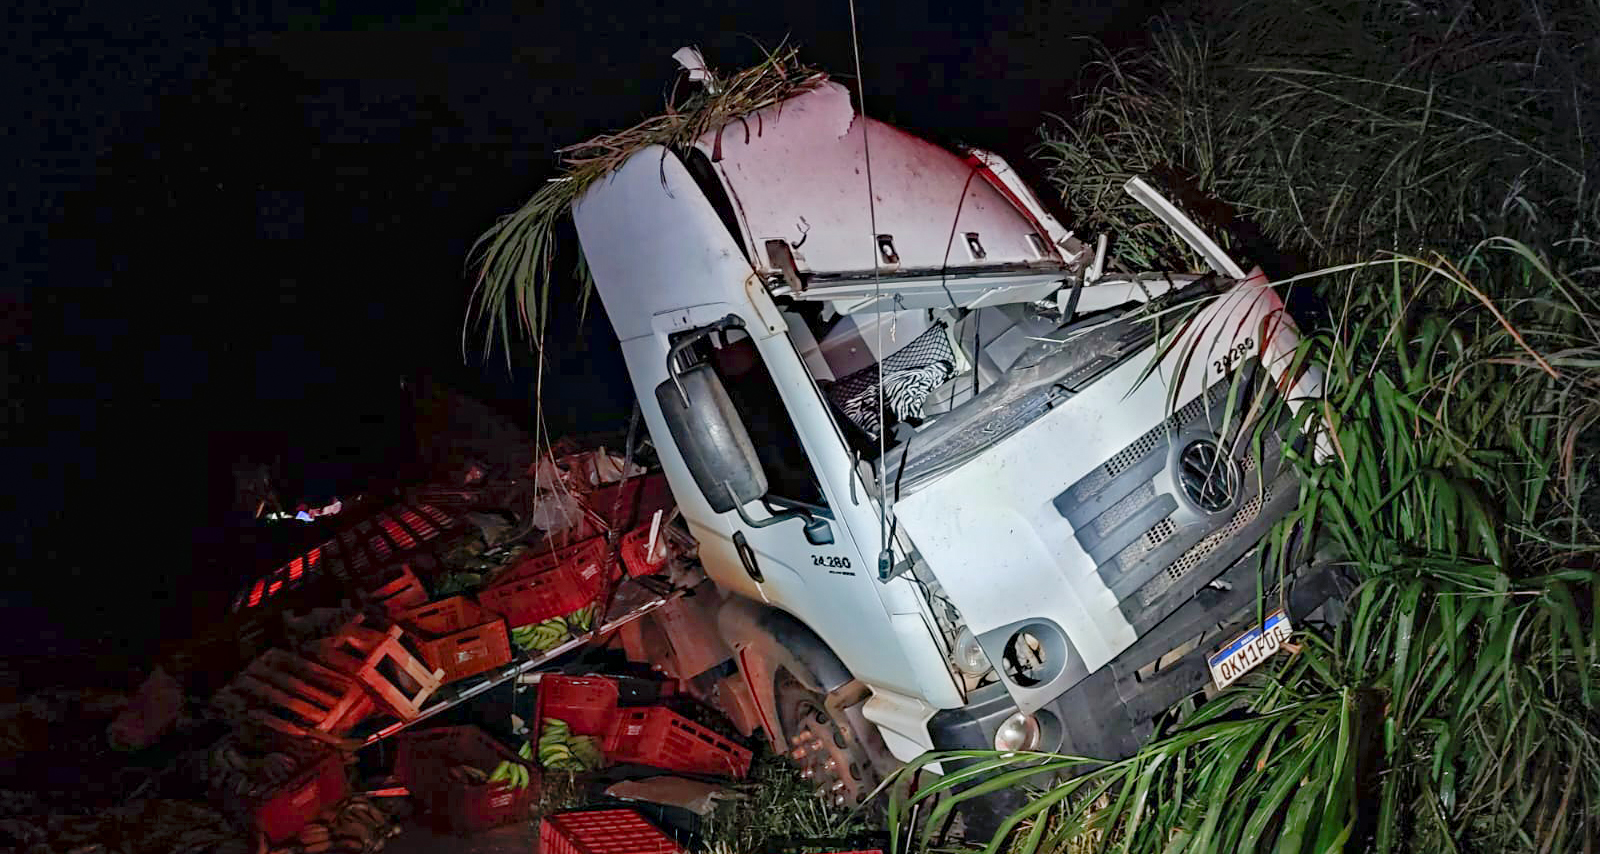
column 1249, row 650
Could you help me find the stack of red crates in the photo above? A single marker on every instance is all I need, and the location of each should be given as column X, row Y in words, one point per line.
column 647, row 735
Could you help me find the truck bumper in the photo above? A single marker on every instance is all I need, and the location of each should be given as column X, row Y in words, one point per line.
column 1112, row 712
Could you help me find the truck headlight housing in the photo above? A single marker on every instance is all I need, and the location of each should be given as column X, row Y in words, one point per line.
column 969, row 655
column 1018, row 732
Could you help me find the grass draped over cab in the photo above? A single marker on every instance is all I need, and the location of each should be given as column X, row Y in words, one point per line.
column 514, row 258
column 1457, row 705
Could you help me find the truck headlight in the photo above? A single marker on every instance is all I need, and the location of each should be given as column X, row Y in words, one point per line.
column 1018, row 732
column 969, row 654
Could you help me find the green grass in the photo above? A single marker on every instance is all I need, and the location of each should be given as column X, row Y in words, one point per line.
column 1341, row 128
column 774, row 806
column 515, row 257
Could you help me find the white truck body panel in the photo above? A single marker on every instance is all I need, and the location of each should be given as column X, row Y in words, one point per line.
column 796, row 225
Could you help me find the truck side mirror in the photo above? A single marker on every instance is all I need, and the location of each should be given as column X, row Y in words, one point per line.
column 712, row 438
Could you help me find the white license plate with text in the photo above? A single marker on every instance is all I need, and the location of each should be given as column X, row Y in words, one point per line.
column 1249, row 650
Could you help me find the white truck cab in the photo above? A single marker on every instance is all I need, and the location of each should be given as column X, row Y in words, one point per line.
column 959, row 487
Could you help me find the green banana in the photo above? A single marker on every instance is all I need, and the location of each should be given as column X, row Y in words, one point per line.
column 582, row 620
column 587, row 752
column 560, row 750
column 541, row 637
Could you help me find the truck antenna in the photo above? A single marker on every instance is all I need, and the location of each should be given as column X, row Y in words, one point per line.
column 885, row 554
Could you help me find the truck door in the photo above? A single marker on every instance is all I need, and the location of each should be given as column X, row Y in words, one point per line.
column 794, row 533
column 790, row 539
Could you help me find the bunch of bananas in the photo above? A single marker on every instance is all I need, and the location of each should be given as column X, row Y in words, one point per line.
column 541, row 637
column 545, row 636
column 468, row 774
column 230, row 770
column 355, row 825
column 452, row 583
column 582, row 620
column 513, row 774
column 560, row 750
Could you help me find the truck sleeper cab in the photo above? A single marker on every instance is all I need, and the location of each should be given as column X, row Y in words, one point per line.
column 958, row 489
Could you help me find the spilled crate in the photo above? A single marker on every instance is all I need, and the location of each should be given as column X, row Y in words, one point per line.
column 638, row 558
column 548, row 585
column 281, row 813
column 588, row 705
column 423, row 764
column 458, row 637
column 662, row 738
column 378, row 659
column 602, row 832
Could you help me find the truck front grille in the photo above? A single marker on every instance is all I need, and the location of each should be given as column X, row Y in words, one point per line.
column 1145, row 542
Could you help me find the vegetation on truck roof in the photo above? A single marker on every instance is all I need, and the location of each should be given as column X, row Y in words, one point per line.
column 514, row 258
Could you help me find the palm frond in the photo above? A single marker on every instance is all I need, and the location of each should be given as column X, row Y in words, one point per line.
column 514, row 258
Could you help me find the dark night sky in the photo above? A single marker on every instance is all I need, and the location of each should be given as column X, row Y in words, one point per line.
column 233, row 228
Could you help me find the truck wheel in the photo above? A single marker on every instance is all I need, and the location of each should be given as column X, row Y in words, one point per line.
column 825, row 749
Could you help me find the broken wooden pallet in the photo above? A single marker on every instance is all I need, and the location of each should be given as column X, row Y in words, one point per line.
column 295, row 696
column 394, row 675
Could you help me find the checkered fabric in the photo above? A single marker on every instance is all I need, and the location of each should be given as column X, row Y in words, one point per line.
column 909, row 374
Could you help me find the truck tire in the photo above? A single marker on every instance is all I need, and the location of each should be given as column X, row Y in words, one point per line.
column 827, row 750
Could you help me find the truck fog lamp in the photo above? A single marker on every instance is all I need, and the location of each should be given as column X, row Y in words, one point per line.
column 1018, row 732
column 969, row 654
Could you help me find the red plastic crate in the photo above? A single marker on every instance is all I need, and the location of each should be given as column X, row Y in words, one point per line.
column 423, row 763
column 662, row 738
column 602, row 832
column 635, row 499
column 284, row 811
column 549, row 585
column 588, row 704
column 458, row 637
column 637, row 558
column 588, row 556
column 396, row 589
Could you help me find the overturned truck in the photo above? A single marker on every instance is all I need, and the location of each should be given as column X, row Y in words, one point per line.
column 955, row 484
